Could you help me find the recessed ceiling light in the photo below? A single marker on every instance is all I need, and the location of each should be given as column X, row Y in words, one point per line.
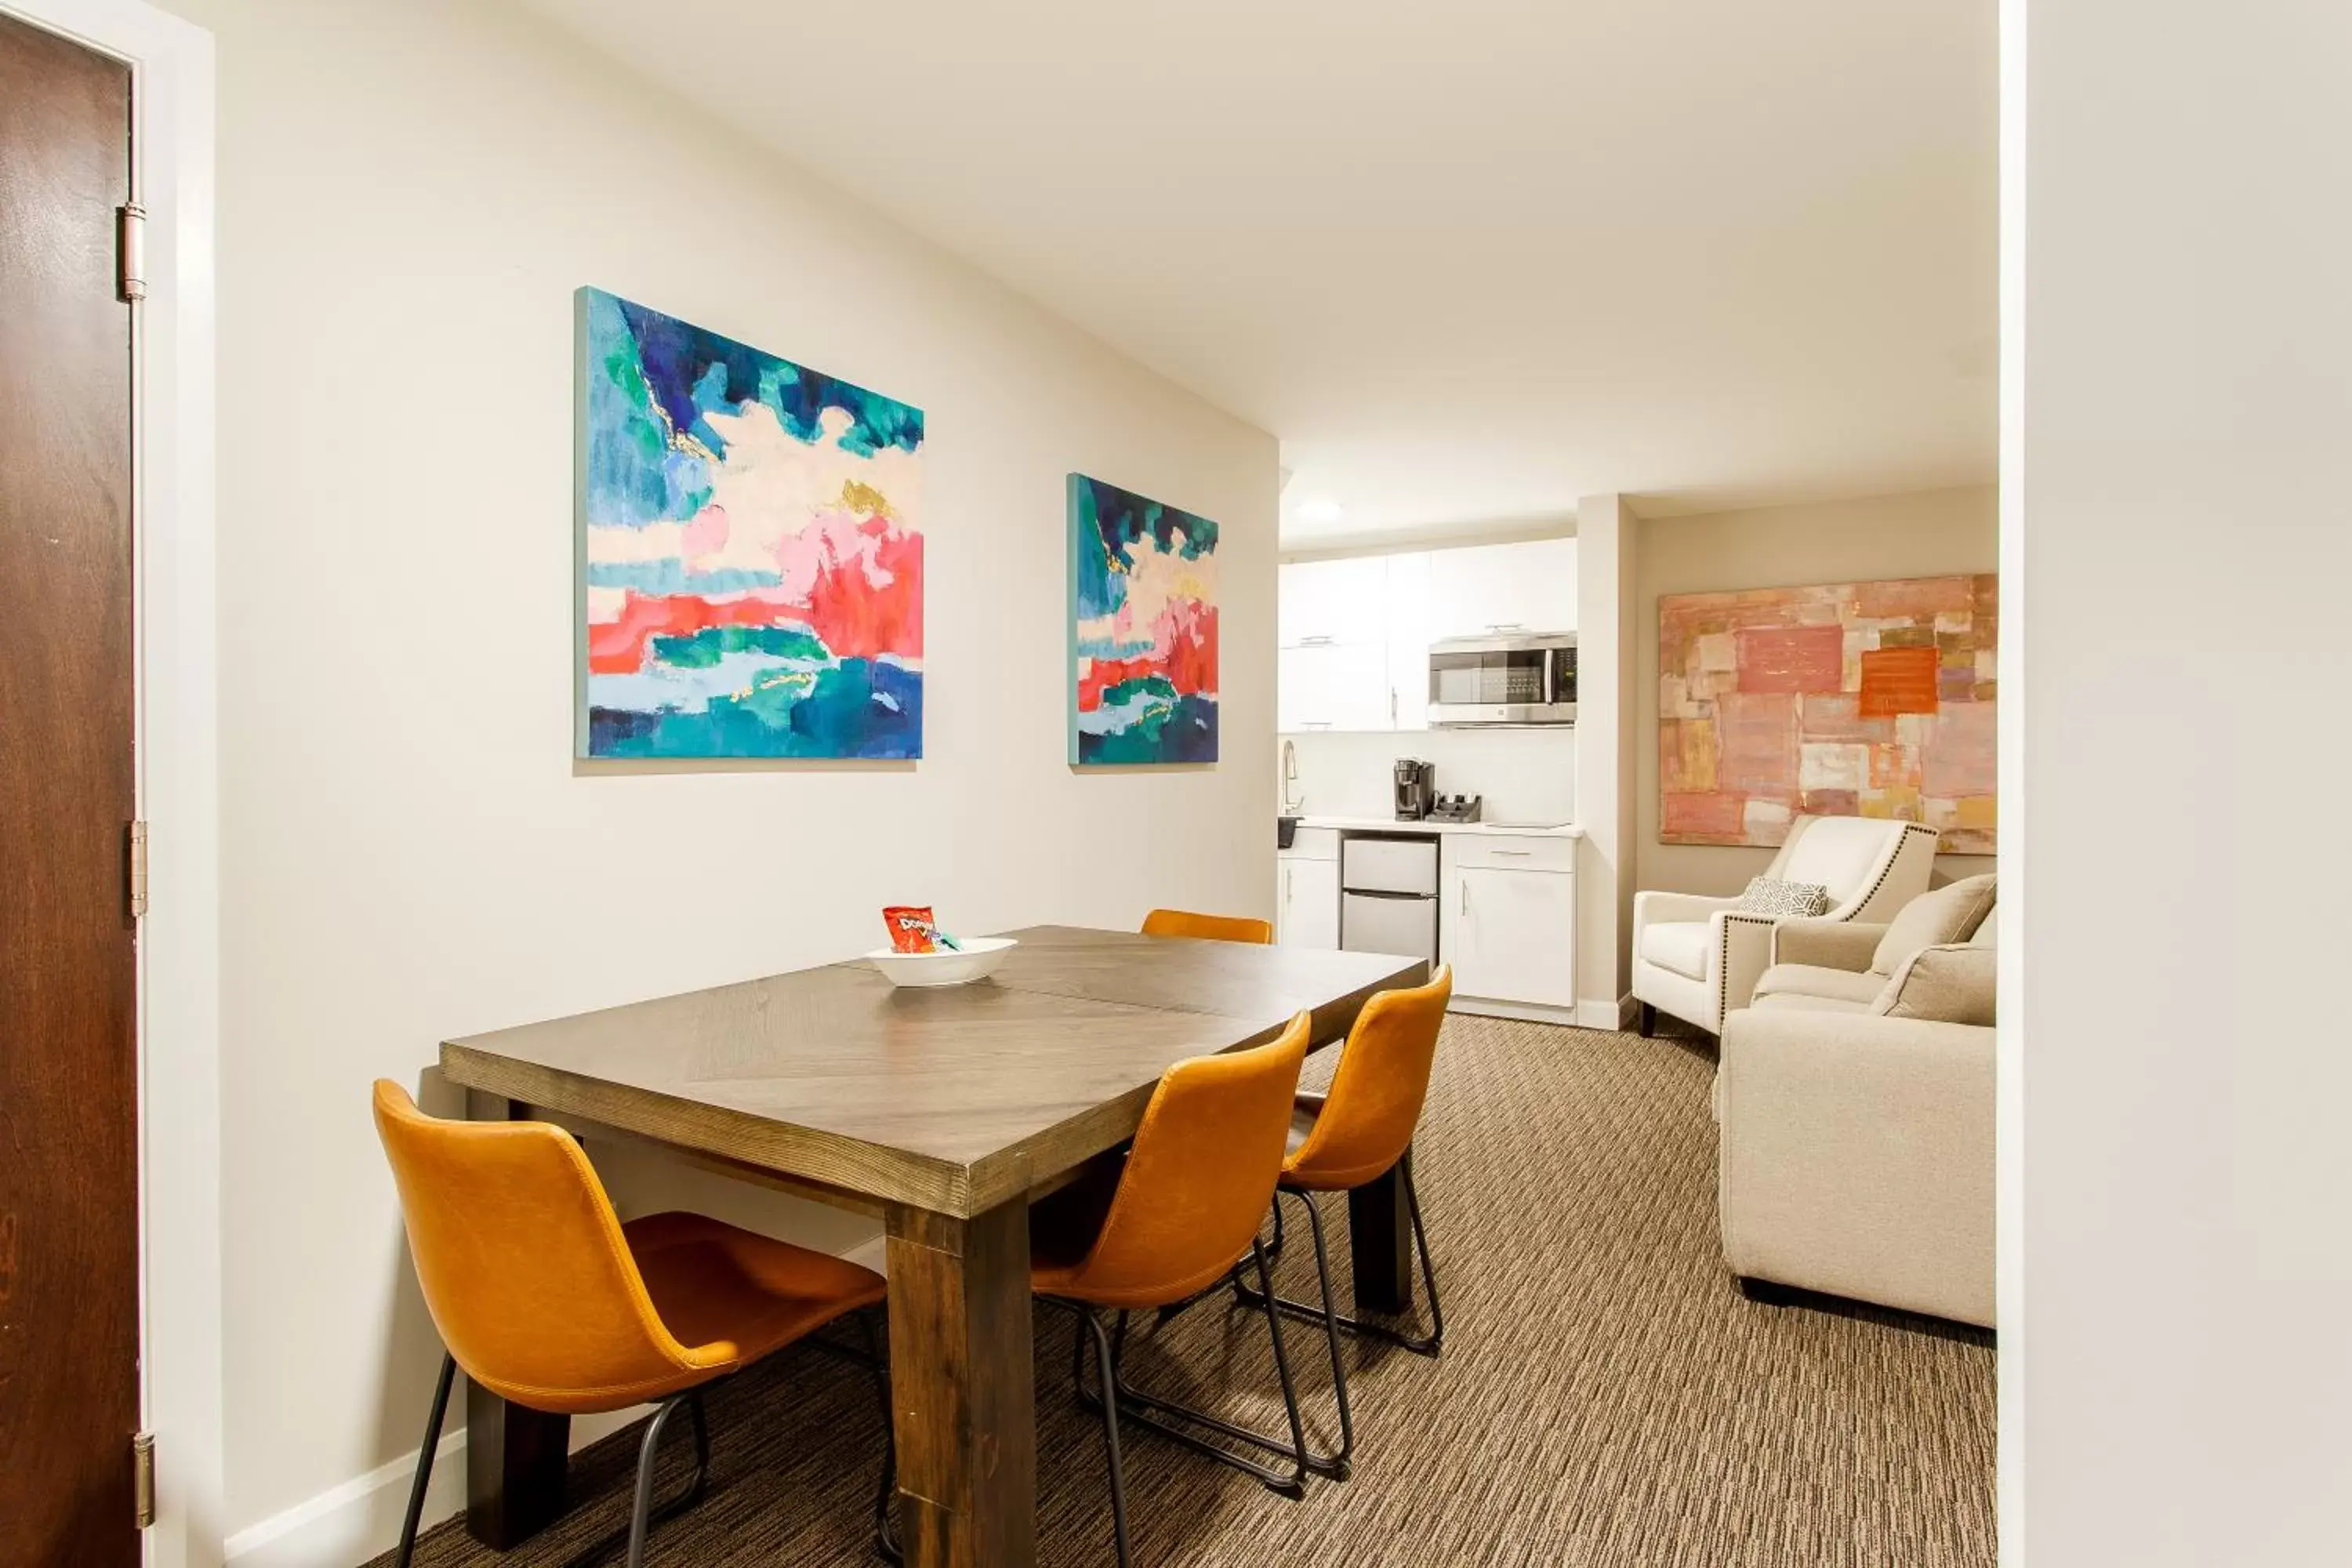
column 1323, row 509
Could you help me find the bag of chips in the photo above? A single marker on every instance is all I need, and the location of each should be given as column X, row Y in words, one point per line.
column 912, row 929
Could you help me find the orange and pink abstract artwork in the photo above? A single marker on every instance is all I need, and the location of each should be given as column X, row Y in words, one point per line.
column 1843, row 700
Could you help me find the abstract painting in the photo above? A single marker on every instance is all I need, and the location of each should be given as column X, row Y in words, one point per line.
column 1143, row 629
column 750, row 550
column 1848, row 699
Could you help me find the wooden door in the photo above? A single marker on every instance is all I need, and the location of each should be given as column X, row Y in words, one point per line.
column 68, row 1151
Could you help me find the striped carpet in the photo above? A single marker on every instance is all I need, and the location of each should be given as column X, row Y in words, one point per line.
column 1606, row 1398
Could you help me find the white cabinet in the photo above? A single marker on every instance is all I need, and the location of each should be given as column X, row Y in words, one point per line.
column 1306, row 891
column 1332, row 685
column 1356, row 633
column 1408, row 641
column 1508, row 917
column 1327, row 602
column 1485, row 590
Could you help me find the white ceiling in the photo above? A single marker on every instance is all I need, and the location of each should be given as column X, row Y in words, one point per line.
column 1470, row 260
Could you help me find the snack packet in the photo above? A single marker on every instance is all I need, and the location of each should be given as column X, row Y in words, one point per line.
column 912, row 929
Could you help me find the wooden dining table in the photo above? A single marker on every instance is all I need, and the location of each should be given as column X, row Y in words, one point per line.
column 944, row 1113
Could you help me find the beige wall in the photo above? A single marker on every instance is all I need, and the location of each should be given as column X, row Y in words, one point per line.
column 1607, row 625
column 409, row 195
column 2175, row 1388
column 1920, row 534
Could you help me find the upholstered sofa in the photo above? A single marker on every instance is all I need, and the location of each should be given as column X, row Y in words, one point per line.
column 1698, row 958
column 1856, row 1153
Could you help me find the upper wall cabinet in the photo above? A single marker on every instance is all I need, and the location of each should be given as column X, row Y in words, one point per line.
column 1495, row 590
column 1356, row 632
column 1334, row 602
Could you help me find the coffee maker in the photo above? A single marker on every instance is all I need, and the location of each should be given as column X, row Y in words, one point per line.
column 1416, row 788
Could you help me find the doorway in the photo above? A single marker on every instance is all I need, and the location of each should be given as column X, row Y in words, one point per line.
column 69, row 1240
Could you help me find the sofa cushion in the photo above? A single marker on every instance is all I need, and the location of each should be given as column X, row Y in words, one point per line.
column 1678, row 945
column 1949, row 983
column 1812, row 980
column 1949, row 913
column 1798, row 1001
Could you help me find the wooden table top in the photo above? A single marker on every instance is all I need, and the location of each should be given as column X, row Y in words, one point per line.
column 954, row 1099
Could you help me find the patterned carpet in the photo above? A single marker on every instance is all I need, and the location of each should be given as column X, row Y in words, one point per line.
column 1607, row 1397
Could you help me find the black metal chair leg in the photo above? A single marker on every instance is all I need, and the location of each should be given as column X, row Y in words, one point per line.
column 1110, row 1428
column 425, row 1460
column 1428, row 1345
column 1436, row 1338
column 885, row 1534
column 642, row 1515
column 1282, row 1366
column 1334, row 1465
column 1157, row 1415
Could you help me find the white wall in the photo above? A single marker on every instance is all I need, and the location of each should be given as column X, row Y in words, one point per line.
column 1923, row 533
column 1525, row 775
column 2186, row 1344
column 1605, row 616
column 409, row 194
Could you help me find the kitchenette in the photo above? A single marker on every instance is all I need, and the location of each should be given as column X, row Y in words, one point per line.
column 1428, row 703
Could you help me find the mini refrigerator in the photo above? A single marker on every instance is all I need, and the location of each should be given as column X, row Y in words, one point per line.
column 1388, row 895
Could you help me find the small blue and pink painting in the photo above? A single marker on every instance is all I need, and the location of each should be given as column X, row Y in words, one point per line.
column 1143, row 629
column 750, row 550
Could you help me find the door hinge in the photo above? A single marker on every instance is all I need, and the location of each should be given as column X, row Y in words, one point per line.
column 130, row 252
column 143, row 1479
column 138, row 870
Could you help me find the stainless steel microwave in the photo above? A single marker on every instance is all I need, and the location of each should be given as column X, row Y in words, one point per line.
column 1521, row 678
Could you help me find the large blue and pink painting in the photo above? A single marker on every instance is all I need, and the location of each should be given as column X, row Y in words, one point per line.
column 1143, row 629
column 751, row 558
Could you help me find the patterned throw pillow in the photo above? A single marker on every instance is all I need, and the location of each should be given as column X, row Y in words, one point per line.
column 1785, row 901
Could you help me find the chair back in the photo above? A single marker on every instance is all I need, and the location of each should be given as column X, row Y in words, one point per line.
column 1368, row 1120
column 1200, row 1176
column 523, row 1263
column 1207, row 928
column 1843, row 854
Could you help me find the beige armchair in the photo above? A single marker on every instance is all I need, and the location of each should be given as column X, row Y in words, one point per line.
column 1855, row 1158
column 1699, row 958
column 1856, row 1152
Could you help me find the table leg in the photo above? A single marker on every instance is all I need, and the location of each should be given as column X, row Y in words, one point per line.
column 962, row 1384
column 515, row 1458
column 1379, row 1240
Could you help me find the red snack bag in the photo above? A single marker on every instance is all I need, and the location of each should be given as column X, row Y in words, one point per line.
column 912, row 929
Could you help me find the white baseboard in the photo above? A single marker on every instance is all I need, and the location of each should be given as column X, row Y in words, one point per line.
column 1525, row 1011
column 1585, row 1014
column 359, row 1520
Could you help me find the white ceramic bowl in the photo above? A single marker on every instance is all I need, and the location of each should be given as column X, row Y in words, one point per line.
column 976, row 958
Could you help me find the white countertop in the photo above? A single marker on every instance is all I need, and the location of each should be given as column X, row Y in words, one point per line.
column 1390, row 825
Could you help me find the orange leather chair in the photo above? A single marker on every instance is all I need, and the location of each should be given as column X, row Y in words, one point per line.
column 1358, row 1131
column 1172, row 1220
column 1207, row 928
column 546, row 1298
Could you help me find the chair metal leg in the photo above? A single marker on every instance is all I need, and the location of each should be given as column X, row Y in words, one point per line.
column 1435, row 1341
column 1105, row 1370
column 1428, row 1345
column 425, row 1460
column 1334, row 1465
column 642, row 1515
column 886, row 1533
column 1157, row 1415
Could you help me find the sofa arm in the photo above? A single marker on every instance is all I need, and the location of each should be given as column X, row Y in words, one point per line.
column 1828, row 944
column 1654, row 907
column 1856, row 1157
